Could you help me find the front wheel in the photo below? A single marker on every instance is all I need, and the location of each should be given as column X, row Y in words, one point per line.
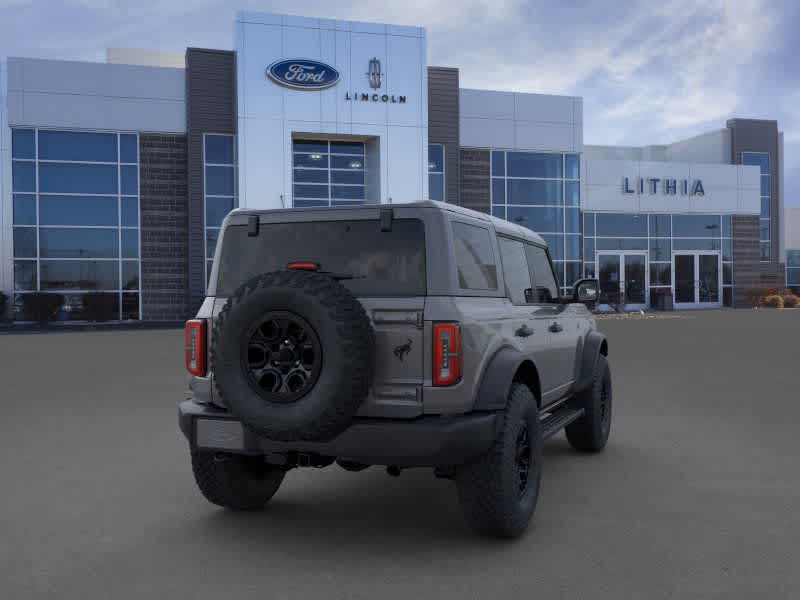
column 590, row 432
column 235, row 481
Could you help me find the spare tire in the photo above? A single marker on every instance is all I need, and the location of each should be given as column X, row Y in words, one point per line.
column 293, row 355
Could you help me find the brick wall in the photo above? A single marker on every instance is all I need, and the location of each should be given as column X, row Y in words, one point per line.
column 748, row 271
column 475, row 180
column 165, row 227
column 443, row 125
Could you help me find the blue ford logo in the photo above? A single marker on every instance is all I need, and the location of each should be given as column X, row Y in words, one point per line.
column 302, row 74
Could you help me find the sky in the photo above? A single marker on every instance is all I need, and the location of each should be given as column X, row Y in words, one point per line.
column 649, row 72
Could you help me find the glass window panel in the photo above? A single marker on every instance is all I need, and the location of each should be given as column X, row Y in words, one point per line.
column 129, row 183
column 128, row 148
column 474, row 257
column 545, row 284
column 435, row 158
column 347, row 148
column 588, row 249
column 24, row 209
column 219, row 149
column 765, row 208
column 77, row 145
column 130, row 212
column 765, row 185
column 727, row 297
column 588, row 270
column 793, row 277
column 727, row 273
column 358, row 178
column 515, row 269
column 526, row 191
column 130, row 274
column 77, row 210
column 572, row 190
column 573, row 166
column 572, row 247
column 56, row 242
column 572, row 220
column 311, row 175
column 793, row 258
column 660, row 226
column 572, row 273
column 130, row 307
column 346, row 202
column 301, row 203
column 588, row 224
column 555, row 244
column 498, row 191
column 310, row 146
column 23, row 176
column 539, row 219
column 695, row 244
column 624, row 225
column 77, row 179
column 347, row 162
column 23, row 143
column 25, row 242
column 348, row 192
column 765, row 251
column 498, row 163
column 660, row 249
column 696, row 225
column 25, row 275
column 531, row 164
column 621, row 244
column 130, row 243
column 216, row 210
column 763, row 229
column 315, row 160
column 660, row 274
column 759, row 159
column 435, row 186
column 211, row 242
column 727, row 226
column 219, row 181
column 79, row 275
column 499, row 212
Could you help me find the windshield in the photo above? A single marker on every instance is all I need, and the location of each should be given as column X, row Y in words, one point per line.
column 377, row 263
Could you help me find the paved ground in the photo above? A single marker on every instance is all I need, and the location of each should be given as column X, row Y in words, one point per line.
column 697, row 495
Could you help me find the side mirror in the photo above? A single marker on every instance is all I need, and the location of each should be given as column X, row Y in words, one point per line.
column 586, row 291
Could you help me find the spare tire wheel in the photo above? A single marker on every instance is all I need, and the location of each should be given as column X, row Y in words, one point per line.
column 293, row 355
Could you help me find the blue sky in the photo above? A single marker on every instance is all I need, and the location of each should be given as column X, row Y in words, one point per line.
column 649, row 72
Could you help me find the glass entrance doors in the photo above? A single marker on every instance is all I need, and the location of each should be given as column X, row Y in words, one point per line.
column 697, row 279
column 623, row 279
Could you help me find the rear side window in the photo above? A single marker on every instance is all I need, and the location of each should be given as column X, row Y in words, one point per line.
column 477, row 269
column 545, row 288
column 378, row 263
column 515, row 269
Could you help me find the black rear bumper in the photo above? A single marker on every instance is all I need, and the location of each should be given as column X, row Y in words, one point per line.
column 432, row 441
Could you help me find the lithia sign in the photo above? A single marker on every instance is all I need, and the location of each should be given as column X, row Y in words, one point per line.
column 669, row 187
column 306, row 74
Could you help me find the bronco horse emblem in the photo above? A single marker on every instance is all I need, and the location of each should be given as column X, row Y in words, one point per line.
column 401, row 351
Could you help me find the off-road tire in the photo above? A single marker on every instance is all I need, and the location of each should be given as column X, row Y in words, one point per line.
column 235, row 481
column 488, row 489
column 590, row 432
column 347, row 344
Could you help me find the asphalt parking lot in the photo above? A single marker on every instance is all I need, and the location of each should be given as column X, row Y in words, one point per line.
column 696, row 496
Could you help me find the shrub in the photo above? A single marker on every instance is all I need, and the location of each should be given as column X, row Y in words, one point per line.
column 41, row 306
column 790, row 301
column 99, row 306
column 773, row 301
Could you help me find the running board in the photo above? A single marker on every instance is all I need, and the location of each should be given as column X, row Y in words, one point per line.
column 558, row 419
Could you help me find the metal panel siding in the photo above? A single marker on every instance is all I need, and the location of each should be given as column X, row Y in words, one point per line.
column 210, row 108
column 443, row 123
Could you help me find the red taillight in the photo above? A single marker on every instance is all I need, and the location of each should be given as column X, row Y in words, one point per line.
column 196, row 347
column 302, row 266
column 446, row 353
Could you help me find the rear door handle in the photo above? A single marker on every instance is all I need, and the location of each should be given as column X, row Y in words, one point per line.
column 556, row 327
column 523, row 331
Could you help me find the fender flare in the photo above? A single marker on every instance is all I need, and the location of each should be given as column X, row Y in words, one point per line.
column 497, row 377
column 594, row 345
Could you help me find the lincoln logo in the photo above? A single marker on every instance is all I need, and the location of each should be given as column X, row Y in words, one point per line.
column 301, row 74
column 374, row 73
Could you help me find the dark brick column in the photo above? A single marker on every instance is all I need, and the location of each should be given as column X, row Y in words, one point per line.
column 746, row 255
column 443, row 123
column 475, row 180
column 165, row 226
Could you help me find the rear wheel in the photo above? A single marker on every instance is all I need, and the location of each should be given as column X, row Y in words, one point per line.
column 590, row 432
column 235, row 481
column 498, row 492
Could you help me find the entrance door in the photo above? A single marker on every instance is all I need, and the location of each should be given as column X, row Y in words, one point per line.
column 623, row 279
column 697, row 279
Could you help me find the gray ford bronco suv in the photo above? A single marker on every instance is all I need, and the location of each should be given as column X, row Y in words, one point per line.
column 411, row 335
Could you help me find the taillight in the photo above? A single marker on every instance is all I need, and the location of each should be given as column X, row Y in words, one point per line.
column 446, row 353
column 303, row 266
column 196, row 347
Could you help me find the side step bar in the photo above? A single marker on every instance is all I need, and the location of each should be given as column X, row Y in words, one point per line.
column 558, row 419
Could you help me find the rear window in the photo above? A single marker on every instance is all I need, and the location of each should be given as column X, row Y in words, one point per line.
column 382, row 263
column 474, row 257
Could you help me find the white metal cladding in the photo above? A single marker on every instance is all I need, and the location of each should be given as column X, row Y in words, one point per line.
column 83, row 95
column 518, row 121
column 728, row 189
column 270, row 114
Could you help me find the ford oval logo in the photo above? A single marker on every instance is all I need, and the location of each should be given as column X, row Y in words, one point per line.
column 303, row 74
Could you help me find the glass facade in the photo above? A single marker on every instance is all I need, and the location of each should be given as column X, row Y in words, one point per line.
column 219, row 166
column 76, row 219
column 761, row 160
column 793, row 268
column 436, row 172
column 327, row 173
column 541, row 191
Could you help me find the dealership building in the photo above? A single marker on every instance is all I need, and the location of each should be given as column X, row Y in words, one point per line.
column 115, row 176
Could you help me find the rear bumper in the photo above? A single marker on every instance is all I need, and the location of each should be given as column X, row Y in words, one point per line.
column 431, row 441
